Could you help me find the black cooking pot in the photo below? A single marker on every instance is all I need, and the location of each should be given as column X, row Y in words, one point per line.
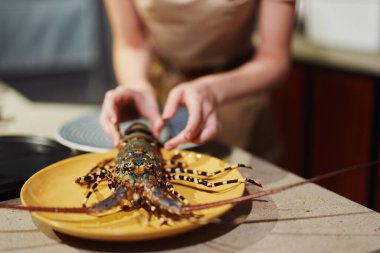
column 22, row 156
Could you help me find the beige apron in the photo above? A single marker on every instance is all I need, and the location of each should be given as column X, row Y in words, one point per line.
column 196, row 37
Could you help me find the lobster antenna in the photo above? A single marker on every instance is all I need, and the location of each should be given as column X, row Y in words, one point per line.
column 277, row 189
column 47, row 209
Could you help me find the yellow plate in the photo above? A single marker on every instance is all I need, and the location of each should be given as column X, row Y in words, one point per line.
column 55, row 186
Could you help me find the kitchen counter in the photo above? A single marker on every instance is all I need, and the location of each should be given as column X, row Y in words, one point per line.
column 306, row 52
column 303, row 219
column 20, row 116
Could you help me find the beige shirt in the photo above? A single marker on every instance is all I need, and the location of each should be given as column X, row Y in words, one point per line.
column 194, row 34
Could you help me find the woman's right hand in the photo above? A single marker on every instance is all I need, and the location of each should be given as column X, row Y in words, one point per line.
column 121, row 104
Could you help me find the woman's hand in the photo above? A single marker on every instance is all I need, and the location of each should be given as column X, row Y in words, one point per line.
column 121, row 104
column 201, row 103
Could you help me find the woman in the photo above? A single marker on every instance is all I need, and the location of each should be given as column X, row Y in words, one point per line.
column 197, row 54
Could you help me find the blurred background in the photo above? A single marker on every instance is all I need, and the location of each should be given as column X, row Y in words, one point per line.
column 326, row 111
column 52, row 50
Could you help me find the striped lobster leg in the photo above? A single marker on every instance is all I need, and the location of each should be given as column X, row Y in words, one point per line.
column 190, row 175
column 103, row 171
column 205, row 173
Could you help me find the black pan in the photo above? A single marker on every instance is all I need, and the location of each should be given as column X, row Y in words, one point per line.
column 22, row 156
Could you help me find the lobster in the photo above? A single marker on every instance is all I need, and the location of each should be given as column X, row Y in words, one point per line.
column 140, row 178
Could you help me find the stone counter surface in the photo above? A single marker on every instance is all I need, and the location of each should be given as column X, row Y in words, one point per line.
column 304, row 219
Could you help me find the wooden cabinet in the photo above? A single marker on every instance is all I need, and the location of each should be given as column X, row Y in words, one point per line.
column 326, row 122
column 341, row 130
column 288, row 108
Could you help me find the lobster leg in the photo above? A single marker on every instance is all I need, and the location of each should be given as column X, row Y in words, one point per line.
column 106, row 164
column 153, row 210
column 212, row 184
column 205, row 173
column 102, row 169
column 189, row 179
column 174, row 164
column 176, row 194
column 93, row 179
column 93, row 188
column 167, row 216
column 166, row 209
column 235, row 181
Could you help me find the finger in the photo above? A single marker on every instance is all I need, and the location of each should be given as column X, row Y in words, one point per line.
column 111, row 129
column 172, row 104
column 176, row 141
column 210, row 130
column 109, row 106
column 158, row 125
column 108, row 118
column 153, row 116
column 116, row 137
column 194, row 122
column 149, row 109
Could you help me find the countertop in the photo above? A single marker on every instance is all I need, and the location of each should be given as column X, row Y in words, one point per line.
column 304, row 219
column 308, row 52
column 21, row 116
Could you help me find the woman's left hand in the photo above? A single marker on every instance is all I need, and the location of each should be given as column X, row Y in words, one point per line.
column 201, row 103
